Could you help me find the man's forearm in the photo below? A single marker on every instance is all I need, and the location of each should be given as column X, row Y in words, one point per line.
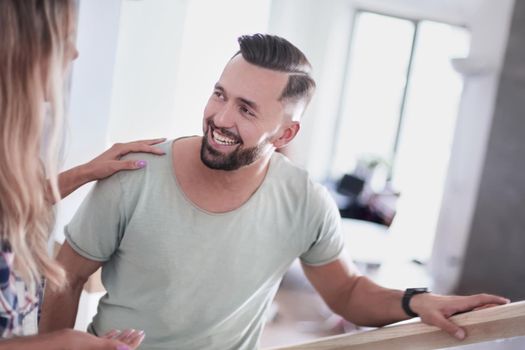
column 363, row 302
column 59, row 309
column 355, row 297
column 368, row 304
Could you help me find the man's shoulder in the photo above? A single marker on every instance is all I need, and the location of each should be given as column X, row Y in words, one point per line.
column 154, row 161
column 285, row 169
column 157, row 167
column 293, row 177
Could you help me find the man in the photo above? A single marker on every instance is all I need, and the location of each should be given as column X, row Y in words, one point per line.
column 193, row 249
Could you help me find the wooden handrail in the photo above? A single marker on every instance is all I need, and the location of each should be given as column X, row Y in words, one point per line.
column 499, row 322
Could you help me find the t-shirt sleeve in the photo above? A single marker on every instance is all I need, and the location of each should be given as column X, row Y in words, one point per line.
column 328, row 242
column 97, row 227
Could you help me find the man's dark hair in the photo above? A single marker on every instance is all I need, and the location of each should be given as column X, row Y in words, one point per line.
column 276, row 53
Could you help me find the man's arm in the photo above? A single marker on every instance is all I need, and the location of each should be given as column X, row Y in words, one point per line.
column 363, row 302
column 59, row 309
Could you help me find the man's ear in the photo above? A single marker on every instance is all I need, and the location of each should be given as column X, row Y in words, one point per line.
column 287, row 135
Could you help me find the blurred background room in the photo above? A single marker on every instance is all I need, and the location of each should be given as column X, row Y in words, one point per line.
column 416, row 127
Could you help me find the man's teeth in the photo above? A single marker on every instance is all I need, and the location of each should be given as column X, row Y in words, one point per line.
column 223, row 140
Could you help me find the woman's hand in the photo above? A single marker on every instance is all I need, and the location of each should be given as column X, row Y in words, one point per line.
column 129, row 339
column 109, row 162
column 114, row 340
column 106, row 165
column 69, row 339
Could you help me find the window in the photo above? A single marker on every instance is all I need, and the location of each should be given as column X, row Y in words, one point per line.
column 377, row 72
column 400, row 103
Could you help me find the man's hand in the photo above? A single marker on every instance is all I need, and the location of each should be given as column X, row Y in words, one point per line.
column 436, row 309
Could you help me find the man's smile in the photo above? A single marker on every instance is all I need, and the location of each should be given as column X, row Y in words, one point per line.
column 222, row 137
column 223, row 140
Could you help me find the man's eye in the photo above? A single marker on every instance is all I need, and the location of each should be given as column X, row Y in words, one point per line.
column 218, row 94
column 245, row 110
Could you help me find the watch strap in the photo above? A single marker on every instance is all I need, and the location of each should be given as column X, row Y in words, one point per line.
column 405, row 301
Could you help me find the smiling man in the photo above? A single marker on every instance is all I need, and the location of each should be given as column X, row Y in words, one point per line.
column 193, row 249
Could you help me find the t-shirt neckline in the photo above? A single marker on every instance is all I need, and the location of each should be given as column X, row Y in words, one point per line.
column 244, row 205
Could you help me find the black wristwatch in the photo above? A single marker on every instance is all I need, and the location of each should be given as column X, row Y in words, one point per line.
column 405, row 302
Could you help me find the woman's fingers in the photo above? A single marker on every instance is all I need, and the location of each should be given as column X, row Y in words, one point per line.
column 111, row 334
column 155, row 141
column 131, row 337
column 146, row 146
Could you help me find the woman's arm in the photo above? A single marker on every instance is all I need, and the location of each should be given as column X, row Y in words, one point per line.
column 69, row 339
column 105, row 165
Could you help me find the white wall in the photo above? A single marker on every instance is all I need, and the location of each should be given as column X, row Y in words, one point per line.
column 323, row 33
column 144, row 82
column 90, row 98
column 170, row 54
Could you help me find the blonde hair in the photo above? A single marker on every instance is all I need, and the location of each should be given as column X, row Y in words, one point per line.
column 32, row 57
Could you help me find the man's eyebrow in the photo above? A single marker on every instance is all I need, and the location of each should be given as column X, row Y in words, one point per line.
column 218, row 87
column 252, row 104
column 247, row 102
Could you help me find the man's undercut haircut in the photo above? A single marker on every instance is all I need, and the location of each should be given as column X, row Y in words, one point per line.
column 276, row 53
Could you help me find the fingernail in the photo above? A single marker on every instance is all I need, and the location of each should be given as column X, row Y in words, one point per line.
column 123, row 347
column 460, row 334
column 141, row 332
column 142, row 163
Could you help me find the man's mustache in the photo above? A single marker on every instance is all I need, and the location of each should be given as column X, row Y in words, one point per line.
column 224, row 131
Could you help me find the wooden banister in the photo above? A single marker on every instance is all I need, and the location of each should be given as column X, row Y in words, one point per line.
column 499, row 322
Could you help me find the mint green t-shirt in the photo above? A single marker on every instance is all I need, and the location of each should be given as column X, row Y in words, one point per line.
column 194, row 279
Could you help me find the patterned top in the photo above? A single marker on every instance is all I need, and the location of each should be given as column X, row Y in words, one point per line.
column 19, row 303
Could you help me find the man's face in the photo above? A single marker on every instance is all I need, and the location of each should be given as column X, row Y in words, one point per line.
column 243, row 118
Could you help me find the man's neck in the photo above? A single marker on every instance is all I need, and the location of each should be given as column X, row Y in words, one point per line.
column 247, row 177
column 211, row 189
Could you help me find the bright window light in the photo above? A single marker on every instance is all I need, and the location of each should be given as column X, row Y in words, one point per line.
column 400, row 105
column 427, row 132
column 376, row 77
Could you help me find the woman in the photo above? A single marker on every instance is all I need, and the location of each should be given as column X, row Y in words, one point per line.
column 36, row 49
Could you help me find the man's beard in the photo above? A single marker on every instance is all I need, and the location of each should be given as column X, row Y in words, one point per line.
column 231, row 161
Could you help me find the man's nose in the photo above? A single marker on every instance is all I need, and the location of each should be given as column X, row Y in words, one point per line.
column 225, row 117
